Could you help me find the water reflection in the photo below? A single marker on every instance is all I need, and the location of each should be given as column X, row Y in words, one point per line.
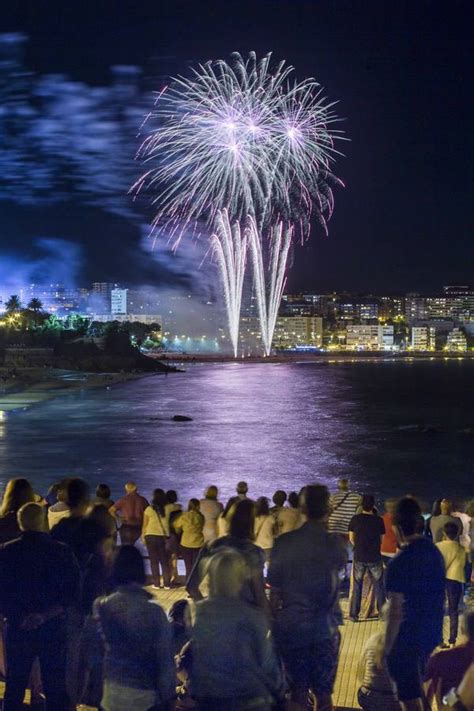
column 277, row 426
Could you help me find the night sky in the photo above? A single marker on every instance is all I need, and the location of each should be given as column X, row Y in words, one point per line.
column 402, row 72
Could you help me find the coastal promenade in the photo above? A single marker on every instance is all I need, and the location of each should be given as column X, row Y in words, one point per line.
column 354, row 637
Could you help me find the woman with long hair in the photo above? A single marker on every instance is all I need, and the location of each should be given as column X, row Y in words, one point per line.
column 240, row 538
column 17, row 493
column 138, row 669
column 264, row 527
column 155, row 534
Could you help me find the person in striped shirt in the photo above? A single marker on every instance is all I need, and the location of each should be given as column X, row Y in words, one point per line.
column 344, row 505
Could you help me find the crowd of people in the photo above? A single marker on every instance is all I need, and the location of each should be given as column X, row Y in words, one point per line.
column 260, row 627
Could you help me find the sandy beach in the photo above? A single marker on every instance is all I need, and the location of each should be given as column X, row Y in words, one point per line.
column 24, row 387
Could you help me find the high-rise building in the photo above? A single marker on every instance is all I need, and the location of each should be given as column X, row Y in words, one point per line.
column 118, row 302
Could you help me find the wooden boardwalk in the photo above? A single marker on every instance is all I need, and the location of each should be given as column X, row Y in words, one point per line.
column 354, row 637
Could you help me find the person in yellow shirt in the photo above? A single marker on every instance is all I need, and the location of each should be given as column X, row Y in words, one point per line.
column 190, row 524
column 454, row 556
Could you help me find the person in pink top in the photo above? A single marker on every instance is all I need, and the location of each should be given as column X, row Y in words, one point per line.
column 130, row 509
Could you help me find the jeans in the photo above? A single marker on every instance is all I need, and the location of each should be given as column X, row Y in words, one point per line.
column 454, row 594
column 158, row 554
column 48, row 643
column 375, row 571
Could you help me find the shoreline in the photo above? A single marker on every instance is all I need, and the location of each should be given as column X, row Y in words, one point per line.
column 324, row 358
column 32, row 386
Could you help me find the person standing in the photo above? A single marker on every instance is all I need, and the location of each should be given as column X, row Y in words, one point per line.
column 437, row 523
column 389, row 545
column 286, row 518
column 172, row 511
column 304, row 578
column 234, row 666
column 39, row 579
column 366, row 531
column 190, row 524
column 155, row 534
column 415, row 587
column 130, row 509
column 344, row 505
column 455, row 557
column 240, row 538
column 241, row 489
column 211, row 509
column 60, row 508
column 102, row 496
column 138, row 665
column 18, row 492
column 264, row 527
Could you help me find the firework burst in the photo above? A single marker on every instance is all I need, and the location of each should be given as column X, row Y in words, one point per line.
column 246, row 138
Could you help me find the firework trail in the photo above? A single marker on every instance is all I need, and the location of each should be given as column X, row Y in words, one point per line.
column 246, row 138
column 229, row 245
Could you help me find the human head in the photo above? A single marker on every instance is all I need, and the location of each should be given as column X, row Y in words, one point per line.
column 128, row 567
column 193, row 505
column 242, row 520
column 407, row 517
column 390, row 506
column 31, row 517
column 77, row 495
column 211, row 492
column 293, row 500
column 171, row 496
column 315, row 501
column 436, row 507
column 17, row 493
column 242, row 488
column 52, row 494
column 159, row 501
column 130, row 487
column 227, row 572
column 61, row 494
column 261, row 507
column 343, row 484
column 446, row 507
column 178, row 612
column 368, row 503
column 279, row 497
column 451, row 531
column 103, row 491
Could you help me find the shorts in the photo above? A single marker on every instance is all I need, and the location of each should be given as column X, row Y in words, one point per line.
column 313, row 667
column 406, row 665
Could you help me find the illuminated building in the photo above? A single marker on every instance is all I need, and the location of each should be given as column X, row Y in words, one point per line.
column 291, row 331
column 118, row 302
column 423, row 338
column 369, row 337
column 456, row 341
